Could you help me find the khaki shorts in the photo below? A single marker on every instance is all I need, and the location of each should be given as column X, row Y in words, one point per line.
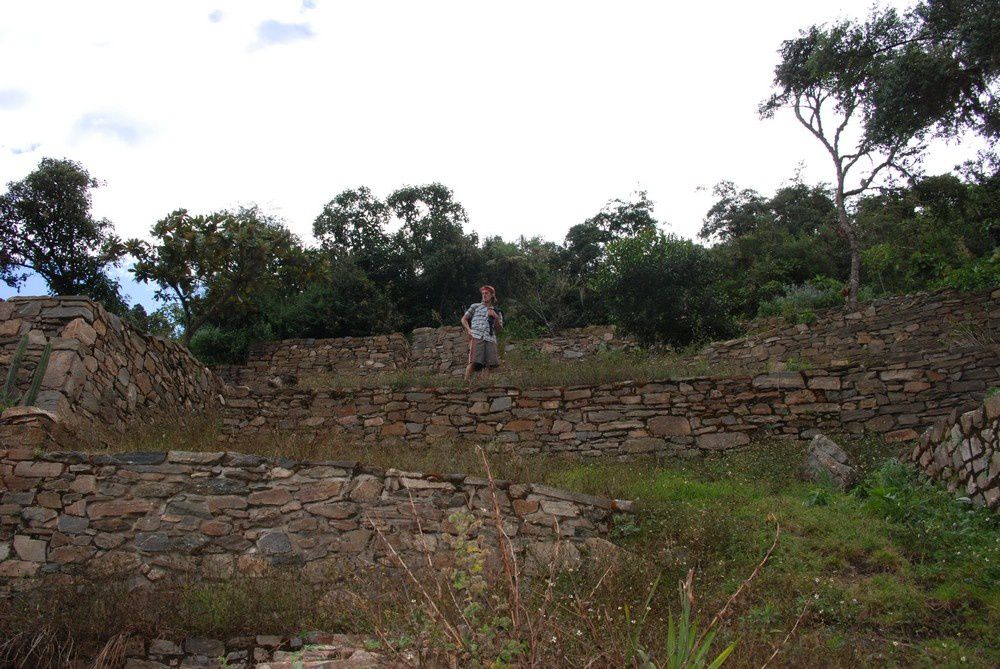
column 483, row 354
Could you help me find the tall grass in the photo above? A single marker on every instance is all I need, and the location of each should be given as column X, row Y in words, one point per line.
column 525, row 367
column 896, row 573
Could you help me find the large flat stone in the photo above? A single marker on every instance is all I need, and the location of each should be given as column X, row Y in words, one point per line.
column 718, row 441
column 779, row 380
column 669, row 426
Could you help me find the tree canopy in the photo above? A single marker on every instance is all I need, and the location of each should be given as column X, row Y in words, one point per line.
column 208, row 263
column 943, row 73
column 46, row 227
column 828, row 77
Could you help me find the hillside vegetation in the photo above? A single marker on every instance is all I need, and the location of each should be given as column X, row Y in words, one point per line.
column 895, row 573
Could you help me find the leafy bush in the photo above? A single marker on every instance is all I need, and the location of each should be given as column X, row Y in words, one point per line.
column 978, row 274
column 930, row 522
column 798, row 302
column 807, row 317
column 520, row 329
column 661, row 288
column 215, row 346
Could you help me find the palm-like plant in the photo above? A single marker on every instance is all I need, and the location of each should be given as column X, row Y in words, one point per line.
column 9, row 397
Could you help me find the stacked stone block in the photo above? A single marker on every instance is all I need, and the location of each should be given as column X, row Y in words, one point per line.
column 315, row 650
column 442, row 350
column 149, row 516
column 899, row 328
column 624, row 419
column 103, row 374
column 964, row 452
column 445, row 350
column 290, row 359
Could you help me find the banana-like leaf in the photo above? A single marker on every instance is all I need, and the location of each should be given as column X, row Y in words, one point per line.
column 15, row 363
column 36, row 381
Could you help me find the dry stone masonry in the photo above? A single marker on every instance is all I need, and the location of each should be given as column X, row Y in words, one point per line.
column 103, row 375
column 443, row 350
column 289, row 359
column 894, row 329
column 964, row 452
column 315, row 650
column 156, row 515
column 627, row 418
column 894, row 368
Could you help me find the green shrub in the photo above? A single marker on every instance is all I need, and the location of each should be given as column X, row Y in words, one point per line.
column 807, row 317
column 929, row 521
column 978, row 274
column 798, row 302
column 520, row 329
column 662, row 289
column 215, row 346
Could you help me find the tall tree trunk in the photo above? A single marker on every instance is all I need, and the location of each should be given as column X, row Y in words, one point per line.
column 847, row 231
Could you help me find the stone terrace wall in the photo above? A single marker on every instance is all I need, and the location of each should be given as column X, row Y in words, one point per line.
column 627, row 418
column 290, row 358
column 103, row 373
column 161, row 514
column 315, row 650
column 445, row 350
column 890, row 329
column 964, row 451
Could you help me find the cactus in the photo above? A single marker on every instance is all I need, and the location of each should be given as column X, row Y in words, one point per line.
column 8, row 398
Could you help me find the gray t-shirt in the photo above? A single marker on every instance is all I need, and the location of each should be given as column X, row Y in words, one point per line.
column 478, row 315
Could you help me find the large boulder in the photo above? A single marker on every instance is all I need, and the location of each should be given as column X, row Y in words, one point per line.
column 827, row 462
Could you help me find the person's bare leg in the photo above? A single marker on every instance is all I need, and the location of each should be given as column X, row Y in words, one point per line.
column 471, row 365
column 486, row 372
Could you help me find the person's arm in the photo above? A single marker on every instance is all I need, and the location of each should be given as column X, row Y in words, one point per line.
column 465, row 322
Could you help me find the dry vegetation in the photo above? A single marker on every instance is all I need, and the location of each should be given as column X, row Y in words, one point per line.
column 896, row 573
column 524, row 367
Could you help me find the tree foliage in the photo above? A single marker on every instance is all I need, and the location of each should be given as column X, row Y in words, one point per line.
column 944, row 72
column 230, row 278
column 46, row 227
column 207, row 264
column 829, row 77
column 766, row 243
column 661, row 288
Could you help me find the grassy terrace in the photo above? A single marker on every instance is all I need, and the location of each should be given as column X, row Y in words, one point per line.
column 896, row 573
column 524, row 367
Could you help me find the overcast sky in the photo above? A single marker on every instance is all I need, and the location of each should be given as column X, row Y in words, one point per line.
column 534, row 113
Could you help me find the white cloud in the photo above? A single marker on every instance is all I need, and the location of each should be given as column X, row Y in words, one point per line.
column 12, row 98
column 29, row 148
column 110, row 125
column 276, row 32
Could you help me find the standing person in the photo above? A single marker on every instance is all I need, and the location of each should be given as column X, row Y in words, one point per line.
column 482, row 321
